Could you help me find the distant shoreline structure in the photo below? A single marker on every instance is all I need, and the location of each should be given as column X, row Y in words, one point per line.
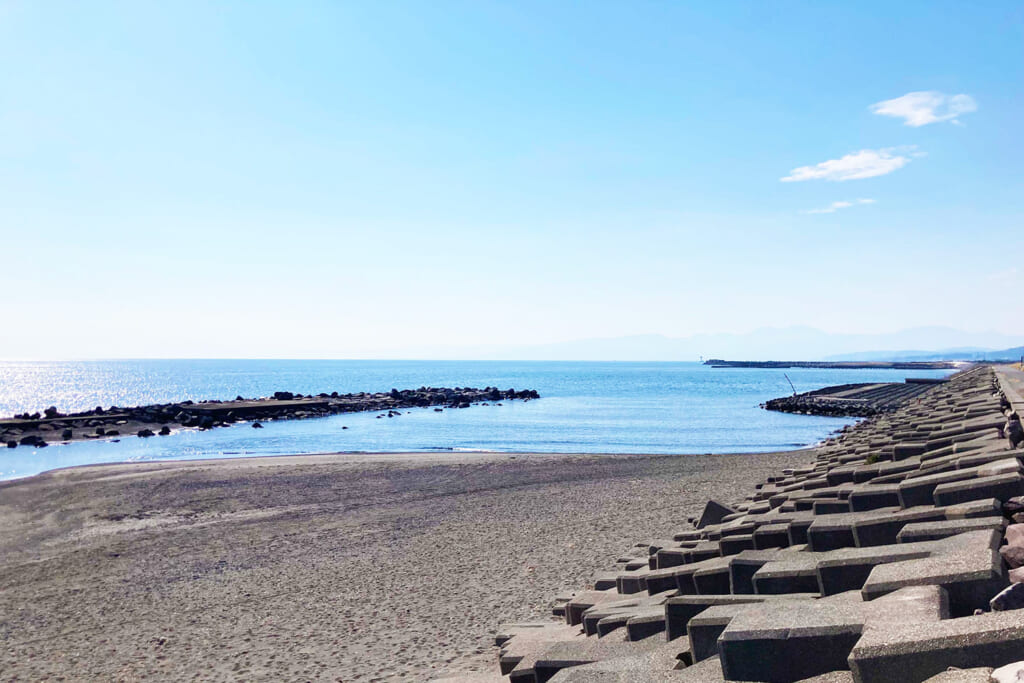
column 839, row 365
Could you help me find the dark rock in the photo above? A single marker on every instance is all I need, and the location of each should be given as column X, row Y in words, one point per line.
column 145, row 433
column 12, row 444
column 100, row 431
column 1014, row 431
column 257, row 425
column 438, row 410
column 112, row 432
column 51, row 412
column 344, row 427
column 1011, row 597
column 1013, row 555
column 66, row 435
column 165, row 430
column 1013, row 505
column 284, row 395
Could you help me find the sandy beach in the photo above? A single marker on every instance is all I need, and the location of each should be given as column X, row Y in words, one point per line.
column 326, row 567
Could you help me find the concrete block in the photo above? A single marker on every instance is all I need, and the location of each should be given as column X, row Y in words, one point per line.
column 714, row 513
column 918, row 490
column 772, row 536
column 1000, row 487
column 681, row 609
column 772, row 644
column 795, row 574
column 968, row 566
column 884, row 529
column 874, row 497
column 917, row 532
column 732, row 545
column 907, row 652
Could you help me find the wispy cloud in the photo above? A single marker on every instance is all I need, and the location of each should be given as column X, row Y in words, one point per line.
column 835, row 206
column 867, row 163
column 926, row 106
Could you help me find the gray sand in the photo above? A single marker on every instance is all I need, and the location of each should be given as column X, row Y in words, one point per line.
column 336, row 567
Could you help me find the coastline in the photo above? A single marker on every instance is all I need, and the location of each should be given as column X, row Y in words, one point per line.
column 366, row 566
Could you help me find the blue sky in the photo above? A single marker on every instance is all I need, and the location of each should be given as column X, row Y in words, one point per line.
column 356, row 179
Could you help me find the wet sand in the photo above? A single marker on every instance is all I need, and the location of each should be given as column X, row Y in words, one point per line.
column 326, row 567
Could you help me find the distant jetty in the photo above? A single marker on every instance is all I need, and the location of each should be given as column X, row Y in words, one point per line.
column 51, row 426
column 843, row 365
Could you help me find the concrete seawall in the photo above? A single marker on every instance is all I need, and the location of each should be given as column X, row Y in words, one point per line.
column 896, row 555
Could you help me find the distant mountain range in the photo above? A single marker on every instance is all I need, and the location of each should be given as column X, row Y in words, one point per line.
column 968, row 353
column 788, row 343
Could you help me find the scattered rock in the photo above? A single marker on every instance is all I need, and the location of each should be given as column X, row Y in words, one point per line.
column 145, row 433
column 1011, row 673
column 1013, row 555
column 1011, row 597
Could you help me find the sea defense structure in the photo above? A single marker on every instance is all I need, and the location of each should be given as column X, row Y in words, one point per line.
column 51, row 426
column 896, row 556
column 853, row 400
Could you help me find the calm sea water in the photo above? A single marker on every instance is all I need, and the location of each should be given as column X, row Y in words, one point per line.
column 585, row 407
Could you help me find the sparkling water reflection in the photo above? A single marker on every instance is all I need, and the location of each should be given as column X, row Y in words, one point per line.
column 585, row 407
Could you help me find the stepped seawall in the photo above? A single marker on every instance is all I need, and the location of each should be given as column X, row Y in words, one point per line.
column 896, row 555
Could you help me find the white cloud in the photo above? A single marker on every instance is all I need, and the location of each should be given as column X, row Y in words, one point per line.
column 835, row 206
column 867, row 163
column 926, row 106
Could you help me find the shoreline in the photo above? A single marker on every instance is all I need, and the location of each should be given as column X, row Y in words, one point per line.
column 353, row 566
column 441, row 457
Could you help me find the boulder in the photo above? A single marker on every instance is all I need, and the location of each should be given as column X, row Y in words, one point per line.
column 1011, row 597
column 145, row 433
column 66, row 435
column 12, row 444
column 257, row 425
column 165, row 430
column 1013, row 555
column 1011, row 673
column 1013, row 505
column 1014, row 431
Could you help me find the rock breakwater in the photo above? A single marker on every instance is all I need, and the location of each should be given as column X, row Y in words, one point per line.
column 51, row 426
column 851, row 400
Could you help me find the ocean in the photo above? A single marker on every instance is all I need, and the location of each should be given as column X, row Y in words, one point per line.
column 586, row 407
